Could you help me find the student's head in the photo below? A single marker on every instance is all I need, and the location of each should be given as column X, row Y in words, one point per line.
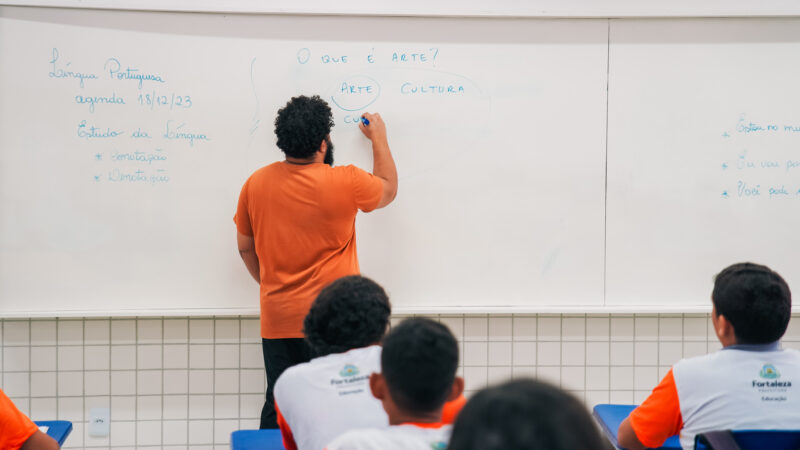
column 418, row 370
column 754, row 301
column 351, row 312
column 525, row 414
column 302, row 125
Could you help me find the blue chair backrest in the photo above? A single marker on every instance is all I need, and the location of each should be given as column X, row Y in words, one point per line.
column 760, row 439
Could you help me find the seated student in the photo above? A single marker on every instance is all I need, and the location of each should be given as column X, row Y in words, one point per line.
column 746, row 385
column 418, row 375
column 525, row 414
column 17, row 431
column 321, row 399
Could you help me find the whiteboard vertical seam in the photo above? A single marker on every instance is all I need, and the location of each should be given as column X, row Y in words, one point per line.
column 605, row 178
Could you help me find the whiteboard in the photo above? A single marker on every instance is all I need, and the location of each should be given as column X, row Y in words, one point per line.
column 498, row 127
column 703, row 155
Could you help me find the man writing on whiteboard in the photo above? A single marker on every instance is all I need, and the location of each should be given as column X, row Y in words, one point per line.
column 296, row 225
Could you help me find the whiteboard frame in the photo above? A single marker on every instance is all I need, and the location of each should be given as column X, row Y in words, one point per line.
column 466, row 8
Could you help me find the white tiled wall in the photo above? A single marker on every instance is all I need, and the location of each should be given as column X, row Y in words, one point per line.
column 179, row 383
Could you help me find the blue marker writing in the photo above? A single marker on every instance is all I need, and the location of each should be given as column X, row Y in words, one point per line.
column 364, row 121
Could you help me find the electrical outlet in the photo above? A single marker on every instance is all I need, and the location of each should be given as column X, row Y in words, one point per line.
column 99, row 422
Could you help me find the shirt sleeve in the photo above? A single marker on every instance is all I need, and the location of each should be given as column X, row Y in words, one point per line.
column 659, row 416
column 242, row 217
column 286, row 431
column 451, row 409
column 367, row 188
column 15, row 427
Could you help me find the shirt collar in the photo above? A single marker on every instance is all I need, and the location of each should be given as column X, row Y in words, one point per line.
column 771, row 347
column 425, row 424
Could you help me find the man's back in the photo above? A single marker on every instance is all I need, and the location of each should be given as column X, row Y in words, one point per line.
column 302, row 218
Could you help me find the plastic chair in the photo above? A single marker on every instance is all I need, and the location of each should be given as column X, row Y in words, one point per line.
column 748, row 440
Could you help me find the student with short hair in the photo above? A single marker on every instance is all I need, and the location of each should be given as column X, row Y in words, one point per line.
column 17, row 431
column 525, row 414
column 418, row 375
column 750, row 384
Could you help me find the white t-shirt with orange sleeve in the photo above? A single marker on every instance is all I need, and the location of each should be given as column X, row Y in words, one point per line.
column 744, row 387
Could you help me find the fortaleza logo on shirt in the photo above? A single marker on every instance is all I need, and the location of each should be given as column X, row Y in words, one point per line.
column 349, row 375
column 770, row 372
column 349, row 371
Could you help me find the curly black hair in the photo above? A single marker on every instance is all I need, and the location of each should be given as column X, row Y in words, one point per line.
column 349, row 313
column 302, row 125
column 755, row 300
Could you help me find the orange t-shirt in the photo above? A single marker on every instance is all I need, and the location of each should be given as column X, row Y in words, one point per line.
column 15, row 427
column 302, row 218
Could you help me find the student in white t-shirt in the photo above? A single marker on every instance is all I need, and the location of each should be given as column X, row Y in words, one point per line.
column 418, row 375
column 751, row 384
column 319, row 400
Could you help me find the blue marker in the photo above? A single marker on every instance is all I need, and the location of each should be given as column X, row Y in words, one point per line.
column 364, row 121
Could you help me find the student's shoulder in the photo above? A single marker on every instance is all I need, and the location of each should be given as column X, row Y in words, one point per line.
column 701, row 358
column 359, row 439
column 296, row 374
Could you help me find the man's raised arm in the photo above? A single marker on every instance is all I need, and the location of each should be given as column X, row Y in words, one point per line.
column 382, row 162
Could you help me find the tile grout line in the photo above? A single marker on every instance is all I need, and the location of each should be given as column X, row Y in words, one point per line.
column 188, row 389
column 58, row 397
column 213, row 380
column 561, row 352
column 608, row 385
column 512, row 347
column 239, row 376
column 658, row 352
column 30, row 372
column 2, row 352
column 585, row 357
column 136, row 382
column 110, row 386
column 84, row 419
column 488, row 340
column 163, row 380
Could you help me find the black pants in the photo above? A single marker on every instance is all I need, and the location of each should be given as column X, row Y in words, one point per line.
column 279, row 355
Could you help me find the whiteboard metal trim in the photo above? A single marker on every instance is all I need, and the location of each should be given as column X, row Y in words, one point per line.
column 399, row 311
column 467, row 8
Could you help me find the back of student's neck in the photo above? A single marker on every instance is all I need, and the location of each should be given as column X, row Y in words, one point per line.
column 400, row 418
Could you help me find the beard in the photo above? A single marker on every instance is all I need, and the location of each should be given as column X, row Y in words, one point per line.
column 329, row 153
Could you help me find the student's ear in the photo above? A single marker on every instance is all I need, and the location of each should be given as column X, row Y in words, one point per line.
column 377, row 384
column 457, row 390
column 723, row 328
